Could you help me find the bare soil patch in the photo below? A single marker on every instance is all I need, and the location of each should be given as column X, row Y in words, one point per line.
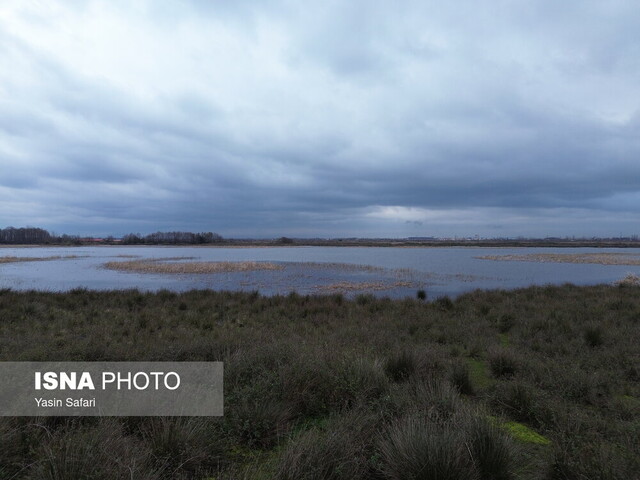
column 362, row 286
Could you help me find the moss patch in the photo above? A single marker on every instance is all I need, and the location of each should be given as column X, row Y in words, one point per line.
column 524, row 434
column 478, row 372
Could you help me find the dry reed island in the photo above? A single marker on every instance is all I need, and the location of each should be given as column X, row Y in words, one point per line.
column 536, row 383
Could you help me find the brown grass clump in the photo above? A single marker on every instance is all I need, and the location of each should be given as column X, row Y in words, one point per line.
column 594, row 258
column 162, row 266
column 630, row 280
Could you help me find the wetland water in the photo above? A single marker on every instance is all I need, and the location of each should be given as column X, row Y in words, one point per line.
column 383, row 271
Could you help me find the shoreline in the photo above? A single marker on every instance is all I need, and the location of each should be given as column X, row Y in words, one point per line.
column 368, row 244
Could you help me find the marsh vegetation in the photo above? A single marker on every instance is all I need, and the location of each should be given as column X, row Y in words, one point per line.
column 14, row 259
column 537, row 383
column 178, row 266
column 603, row 258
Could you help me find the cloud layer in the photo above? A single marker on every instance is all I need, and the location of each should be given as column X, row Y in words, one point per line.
column 333, row 119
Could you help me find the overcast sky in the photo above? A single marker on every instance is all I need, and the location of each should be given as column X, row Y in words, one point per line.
column 332, row 118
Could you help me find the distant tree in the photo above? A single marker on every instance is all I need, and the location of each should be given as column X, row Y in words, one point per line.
column 27, row 235
column 285, row 240
column 132, row 239
column 69, row 239
column 172, row 238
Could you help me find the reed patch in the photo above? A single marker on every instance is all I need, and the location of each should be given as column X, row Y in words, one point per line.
column 169, row 266
column 10, row 259
column 606, row 258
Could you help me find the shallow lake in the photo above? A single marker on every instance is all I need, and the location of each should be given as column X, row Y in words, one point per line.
column 384, row 271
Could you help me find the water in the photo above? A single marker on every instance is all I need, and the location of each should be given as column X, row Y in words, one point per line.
column 440, row 271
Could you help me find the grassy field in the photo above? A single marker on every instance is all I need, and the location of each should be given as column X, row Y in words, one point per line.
column 537, row 383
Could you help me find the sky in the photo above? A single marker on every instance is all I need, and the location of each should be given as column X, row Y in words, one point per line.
column 341, row 118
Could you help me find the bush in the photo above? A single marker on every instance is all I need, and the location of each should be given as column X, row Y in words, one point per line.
column 361, row 380
column 492, row 450
column 443, row 303
column 260, row 422
column 342, row 451
column 421, row 294
column 518, row 400
column 461, row 379
column 364, row 298
column 415, row 448
column 92, row 451
column 183, row 445
column 437, row 400
column 594, row 335
column 400, row 366
column 311, row 387
column 503, row 363
column 506, row 322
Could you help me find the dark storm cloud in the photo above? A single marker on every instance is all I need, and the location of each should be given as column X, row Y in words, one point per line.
column 338, row 118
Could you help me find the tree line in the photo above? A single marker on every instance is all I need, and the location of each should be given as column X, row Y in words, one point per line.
column 33, row 235
column 40, row 236
column 172, row 238
column 24, row 235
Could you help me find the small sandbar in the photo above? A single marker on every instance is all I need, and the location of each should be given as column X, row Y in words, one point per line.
column 458, row 277
column 348, row 267
column 362, row 286
column 38, row 259
column 170, row 266
column 593, row 258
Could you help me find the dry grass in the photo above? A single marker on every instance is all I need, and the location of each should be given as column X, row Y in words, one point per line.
column 362, row 286
column 594, row 258
column 459, row 277
column 8, row 259
column 351, row 267
column 161, row 265
column 172, row 265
